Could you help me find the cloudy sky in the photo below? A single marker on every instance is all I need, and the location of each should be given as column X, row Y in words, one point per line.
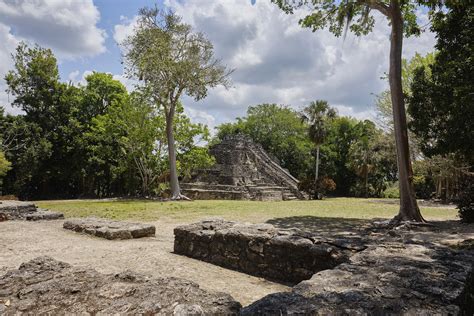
column 275, row 60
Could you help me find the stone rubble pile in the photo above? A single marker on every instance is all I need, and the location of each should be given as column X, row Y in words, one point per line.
column 17, row 210
column 109, row 229
column 49, row 287
column 261, row 249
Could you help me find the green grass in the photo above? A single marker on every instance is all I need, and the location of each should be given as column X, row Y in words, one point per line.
column 251, row 211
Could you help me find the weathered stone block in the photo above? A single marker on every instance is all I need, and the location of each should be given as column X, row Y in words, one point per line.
column 44, row 215
column 109, row 229
column 258, row 249
column 16, row 210
column 44, row 286
column 11, row 210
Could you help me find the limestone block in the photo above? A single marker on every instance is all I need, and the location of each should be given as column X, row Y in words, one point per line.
column 109, row 229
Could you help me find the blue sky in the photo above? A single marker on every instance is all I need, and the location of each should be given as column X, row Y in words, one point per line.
column 276, row 61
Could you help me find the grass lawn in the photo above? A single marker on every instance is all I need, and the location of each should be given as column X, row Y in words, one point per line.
column 250, row 211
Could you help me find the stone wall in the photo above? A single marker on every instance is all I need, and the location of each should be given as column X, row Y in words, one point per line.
column 260, row 249
column 10, row 210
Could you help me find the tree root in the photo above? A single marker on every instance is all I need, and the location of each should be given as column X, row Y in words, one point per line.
column 180, row 197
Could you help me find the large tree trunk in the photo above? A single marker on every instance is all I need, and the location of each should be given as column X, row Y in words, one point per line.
column 316, row 173
column 174, row 183
column 409, row 210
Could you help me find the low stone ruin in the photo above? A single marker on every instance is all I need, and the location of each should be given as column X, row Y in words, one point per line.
column 40, row 215
column 261, row 249
column 243, row 171
column 49, row 287
column 395, row 271
column 16, row 210
column 109, row 229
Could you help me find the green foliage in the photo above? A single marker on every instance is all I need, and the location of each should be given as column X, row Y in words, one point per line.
column 92, row 140
column 101, row 91
column 356, row 16
column 5, row 165
column 465, row 201
column 318, row 115
column 392, row 192
column 442, row 99
column 383, row 102
column 372, row 159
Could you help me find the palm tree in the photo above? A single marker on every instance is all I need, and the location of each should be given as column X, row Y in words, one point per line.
column 318, row 114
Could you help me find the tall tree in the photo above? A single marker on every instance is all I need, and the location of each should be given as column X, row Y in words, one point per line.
column 172, row 60
column 49, row 123
column 355, row 15
column 318, row 114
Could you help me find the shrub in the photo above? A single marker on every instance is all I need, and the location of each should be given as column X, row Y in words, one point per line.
column 392, row 192
column 466, row 201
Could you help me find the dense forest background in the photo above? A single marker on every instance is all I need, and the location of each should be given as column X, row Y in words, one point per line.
column 100, row 140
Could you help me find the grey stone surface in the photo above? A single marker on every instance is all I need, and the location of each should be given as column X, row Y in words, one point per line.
column 11, row 210
column 396, row 275
column 17, row 210
column 109, row 229
column 49, row 287
column 243, row 171
column 260, row 249
column 41, row 214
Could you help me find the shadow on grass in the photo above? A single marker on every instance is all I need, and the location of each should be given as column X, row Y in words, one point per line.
column 333, row 226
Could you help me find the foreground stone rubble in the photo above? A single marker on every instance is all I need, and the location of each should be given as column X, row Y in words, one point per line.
column 109, row 229
column 46, row 286
column 17, row 210
column 378, row 270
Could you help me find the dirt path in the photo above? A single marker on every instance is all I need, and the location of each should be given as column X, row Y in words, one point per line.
column 21, row 241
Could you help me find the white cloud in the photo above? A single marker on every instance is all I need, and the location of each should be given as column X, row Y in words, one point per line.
column 73, row 76
column 123, row 30
column 277, row 61
column 7, row 45
column 69, row 27
column 201, row 117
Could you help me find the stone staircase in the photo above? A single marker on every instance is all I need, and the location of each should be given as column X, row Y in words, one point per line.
column 243, row 170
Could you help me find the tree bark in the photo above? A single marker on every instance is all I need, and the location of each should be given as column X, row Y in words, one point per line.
column 409, row 210
column 316, row 175
column 174, row 182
